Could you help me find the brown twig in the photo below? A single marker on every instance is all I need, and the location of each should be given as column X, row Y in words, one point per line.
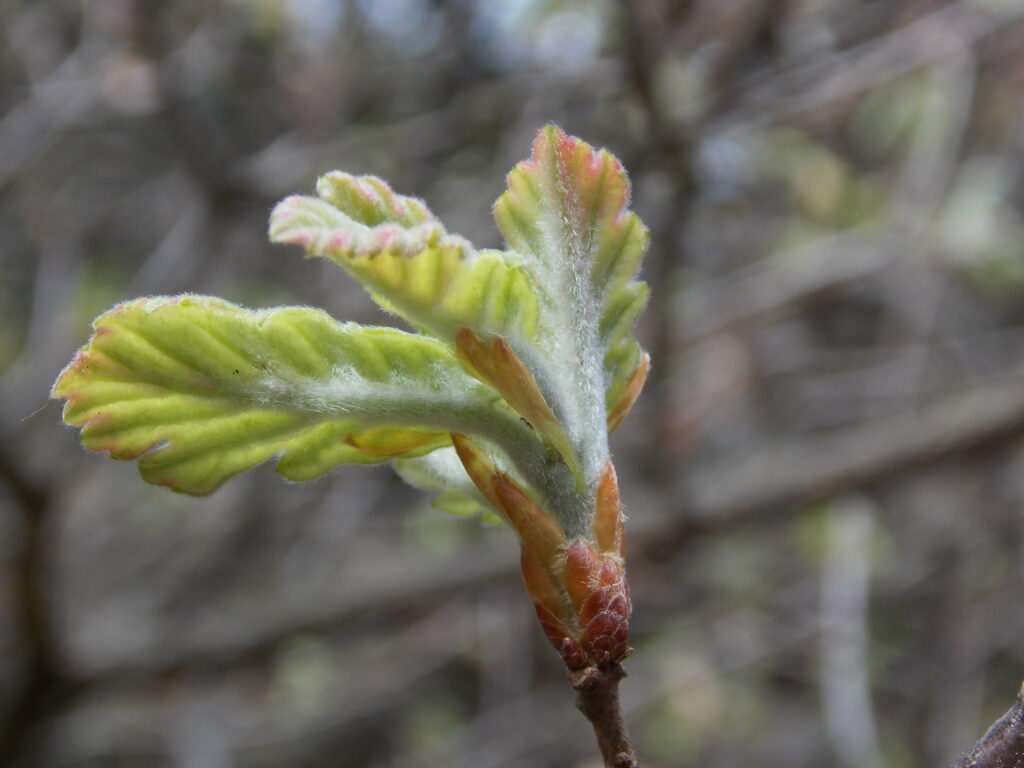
column 597, row 697
column 1003, row 745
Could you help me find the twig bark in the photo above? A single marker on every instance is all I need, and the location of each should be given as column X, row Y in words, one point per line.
column 1003, row 745
column 597, row 697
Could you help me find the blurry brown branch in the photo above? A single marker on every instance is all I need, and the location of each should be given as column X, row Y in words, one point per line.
column 411, row 585
column 799, row 91
column 767, row 292
column 43, row 687
column 1003, row 745
column 783, row 478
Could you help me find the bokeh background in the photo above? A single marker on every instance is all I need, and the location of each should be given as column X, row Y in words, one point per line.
column 825, row 475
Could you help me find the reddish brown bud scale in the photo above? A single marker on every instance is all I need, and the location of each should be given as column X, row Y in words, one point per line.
column 550, row 608
column 596, row 585
column 498, row 365
column 540, row 585
column 572, row 654
column 605, row 615
column 578, row 590
column 537, row 529
column 579, row 572
column 611, row 573
column 539, row 532
column 593, row 628
column 477, row 466
column 608, row 530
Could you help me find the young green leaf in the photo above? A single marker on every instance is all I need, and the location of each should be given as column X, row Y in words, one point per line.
column 370, row 201
column 565, row 212
column 503, row 403
column 402, row 255
column 547, row 323
column 198, row 389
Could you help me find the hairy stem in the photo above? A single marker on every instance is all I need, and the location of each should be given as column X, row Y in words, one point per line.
column 1003, row 745
column 597, row 697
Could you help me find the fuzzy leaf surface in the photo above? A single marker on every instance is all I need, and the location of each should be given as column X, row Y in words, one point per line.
column 403, row 256
column 566, row 213
column 198, row 389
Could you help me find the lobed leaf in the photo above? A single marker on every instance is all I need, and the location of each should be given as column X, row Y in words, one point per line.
column 566, row 213
column 566, row 210
column 370, row 201
column 402, row 255
column 198, row 389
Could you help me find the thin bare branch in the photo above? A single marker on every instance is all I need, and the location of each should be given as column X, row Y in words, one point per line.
column 1003, row 745
column 597, row 697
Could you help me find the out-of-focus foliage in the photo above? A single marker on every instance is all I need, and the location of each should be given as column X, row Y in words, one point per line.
column 823, row 477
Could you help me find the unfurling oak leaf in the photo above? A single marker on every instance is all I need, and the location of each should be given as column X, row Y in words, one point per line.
column 523, row 362
column 403, row 256
column 566, row 214
column 370, row 201
column 198, row 389
column 547, row 323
